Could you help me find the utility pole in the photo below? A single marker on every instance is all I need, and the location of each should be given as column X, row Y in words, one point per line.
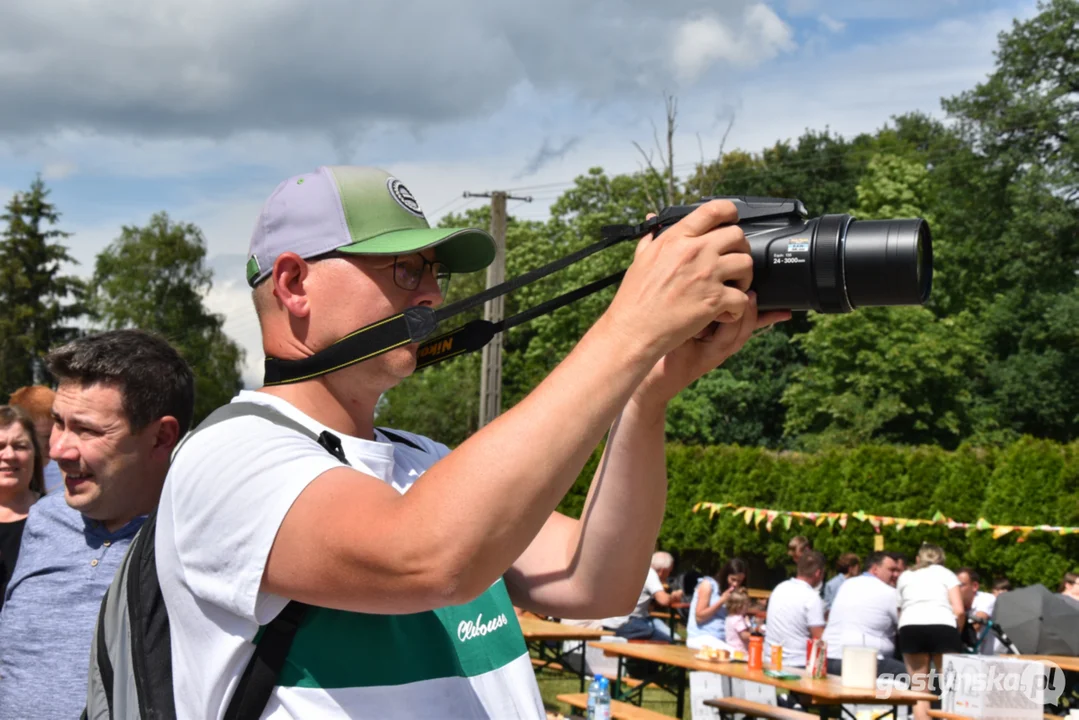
column 494, row 310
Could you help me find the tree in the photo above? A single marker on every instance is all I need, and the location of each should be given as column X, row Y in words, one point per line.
column 820, row 169
column 39, row 301
column 893, row 187
column 1027, row 112
column 1013, row 232
column 895, row 374
column 154, row 278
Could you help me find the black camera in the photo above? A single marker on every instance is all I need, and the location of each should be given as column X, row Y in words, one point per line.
column 831, row 264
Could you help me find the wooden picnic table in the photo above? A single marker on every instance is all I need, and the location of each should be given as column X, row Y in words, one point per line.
column 539, row 634
column 535, row 629
column 824, row 691
column 1064, row 662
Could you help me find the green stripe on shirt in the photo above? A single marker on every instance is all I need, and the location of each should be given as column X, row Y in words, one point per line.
column 338, row 649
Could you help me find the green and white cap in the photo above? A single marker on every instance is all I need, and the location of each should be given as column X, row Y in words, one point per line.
column 360, row 210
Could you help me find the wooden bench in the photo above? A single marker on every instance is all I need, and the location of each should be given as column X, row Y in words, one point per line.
column 619, row 710
column 941, row 715
column 730, row 706
column 537, row 663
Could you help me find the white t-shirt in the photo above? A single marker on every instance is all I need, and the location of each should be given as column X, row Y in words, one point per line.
column 226, row 494
column 984, row 603
column 863, row 614
column 923, row 596
column 793, row 608
column 652, row 585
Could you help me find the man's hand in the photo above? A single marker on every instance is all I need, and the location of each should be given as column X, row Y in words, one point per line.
column 728, row 331
column 703, row 353
column 695, row 273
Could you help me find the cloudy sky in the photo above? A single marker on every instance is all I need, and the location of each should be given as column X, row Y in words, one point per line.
column 201, row 107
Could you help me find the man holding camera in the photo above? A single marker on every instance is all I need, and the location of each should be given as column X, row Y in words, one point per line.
column 412, row 555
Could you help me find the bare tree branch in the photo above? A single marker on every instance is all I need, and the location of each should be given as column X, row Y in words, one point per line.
column 672, row 114
column 723, row 142
column 651, row 168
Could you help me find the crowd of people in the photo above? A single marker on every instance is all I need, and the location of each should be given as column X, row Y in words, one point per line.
column 123, row 400
column 910, row 615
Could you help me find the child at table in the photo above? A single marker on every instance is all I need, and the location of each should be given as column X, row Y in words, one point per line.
column 737, row 622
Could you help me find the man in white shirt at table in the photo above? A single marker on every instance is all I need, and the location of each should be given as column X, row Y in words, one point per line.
column 796, row 612
column 865, row 614
column 979, row 606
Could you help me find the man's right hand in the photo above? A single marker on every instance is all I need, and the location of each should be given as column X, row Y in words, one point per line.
column 695, row 273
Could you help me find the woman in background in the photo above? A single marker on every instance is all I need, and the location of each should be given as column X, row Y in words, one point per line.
column 931, row 614
column 21, row 484
column 707, row 609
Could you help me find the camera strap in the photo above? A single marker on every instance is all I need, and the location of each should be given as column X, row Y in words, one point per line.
column 416, row 324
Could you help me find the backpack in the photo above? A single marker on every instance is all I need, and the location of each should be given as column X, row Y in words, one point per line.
column 131, row 655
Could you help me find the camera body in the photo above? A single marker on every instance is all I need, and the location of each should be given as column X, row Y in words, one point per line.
column 831, row 263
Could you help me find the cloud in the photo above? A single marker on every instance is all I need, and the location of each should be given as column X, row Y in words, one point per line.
column 546, row 155
column 58, row 170
column 757, row 35
column 831, row 24
column 205, row 69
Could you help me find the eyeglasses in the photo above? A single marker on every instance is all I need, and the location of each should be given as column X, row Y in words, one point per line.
column 409, row 270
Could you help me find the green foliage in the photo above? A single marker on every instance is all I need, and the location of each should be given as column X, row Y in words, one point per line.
column 895, row 374
column 1028, row 109
column 40, row 303
column 154, row 278
column 893, row 186
column 820, row 169
column 1028, row 482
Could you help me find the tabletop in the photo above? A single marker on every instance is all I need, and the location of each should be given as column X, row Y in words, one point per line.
column 1064, row 662
column 829, row 688
column 536, row 629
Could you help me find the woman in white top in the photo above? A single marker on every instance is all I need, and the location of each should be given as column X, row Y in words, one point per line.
column 931, row 614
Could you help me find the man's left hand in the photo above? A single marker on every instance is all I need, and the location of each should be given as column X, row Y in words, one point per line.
column 703, row 353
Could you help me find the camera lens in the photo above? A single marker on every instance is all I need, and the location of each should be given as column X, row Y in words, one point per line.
column 887, row 262
column 835, row 263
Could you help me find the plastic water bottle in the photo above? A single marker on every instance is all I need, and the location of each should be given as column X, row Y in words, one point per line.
column 599, row 699
column 593, row 693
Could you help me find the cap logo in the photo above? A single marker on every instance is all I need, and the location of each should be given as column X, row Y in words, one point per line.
column 404, row 197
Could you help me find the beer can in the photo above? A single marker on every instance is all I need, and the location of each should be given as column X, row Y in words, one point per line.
column 777, row 656
column 756, row 652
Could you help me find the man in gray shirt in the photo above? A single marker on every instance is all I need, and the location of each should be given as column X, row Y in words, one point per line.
column 125, row 398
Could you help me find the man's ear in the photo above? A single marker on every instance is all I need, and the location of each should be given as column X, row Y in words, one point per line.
column 288, row 278
column 166, row 434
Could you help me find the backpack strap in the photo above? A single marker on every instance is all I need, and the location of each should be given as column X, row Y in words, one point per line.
column 260, row 676
column 151, row 647
column 104, row 664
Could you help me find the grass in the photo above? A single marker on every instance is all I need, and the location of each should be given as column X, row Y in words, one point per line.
column 552, row 684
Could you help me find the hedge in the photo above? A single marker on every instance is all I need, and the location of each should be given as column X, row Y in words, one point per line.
column 1029, row 482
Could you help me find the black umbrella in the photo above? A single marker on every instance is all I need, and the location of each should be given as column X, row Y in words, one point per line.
column 1038, row 621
